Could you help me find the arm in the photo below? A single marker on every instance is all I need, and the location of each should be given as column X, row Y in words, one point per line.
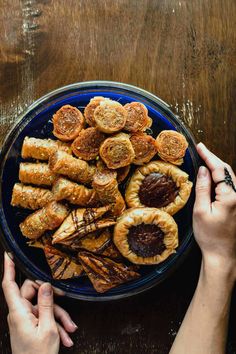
column 204, row 329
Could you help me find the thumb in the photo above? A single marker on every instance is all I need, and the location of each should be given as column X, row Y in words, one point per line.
column 203, row 190
column 45, row 306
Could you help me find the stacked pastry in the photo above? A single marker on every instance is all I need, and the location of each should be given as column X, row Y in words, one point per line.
column 81, row 220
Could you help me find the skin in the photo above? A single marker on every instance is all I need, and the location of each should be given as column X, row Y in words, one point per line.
column 204, row 328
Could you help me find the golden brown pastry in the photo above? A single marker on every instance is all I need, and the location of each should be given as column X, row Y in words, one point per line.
column 137, row 117
column 90, row 108
column 106, row 187
column 110, row 116
column 62, row 266
column 30, row 197
column 104, row 273
column 171, row 146
column 68, row 121
column 117, row 151
column 159, row 184
column 41, row 149
column 86, row 145
column 78, row 170
column 120, row 173
column 146, row 235
column 144, row 147
column 36, row 173
column 75, row 193
column 48, row 218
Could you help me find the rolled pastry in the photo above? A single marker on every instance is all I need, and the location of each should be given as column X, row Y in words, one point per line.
column 36, row 173
column 30, row 197
column 48, row 218
column 110, row 116
column 144, row 147
column 171, row 146
column 120, row 174
column 78, row 170
column 68, row 121
column 86, row 145
column 137, row 117
column 75, row 193
column 90, row 108
column 106, row 187
column 117, row 151
column 41, row 149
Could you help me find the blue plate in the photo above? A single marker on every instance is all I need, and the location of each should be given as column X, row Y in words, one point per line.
column 36, row 122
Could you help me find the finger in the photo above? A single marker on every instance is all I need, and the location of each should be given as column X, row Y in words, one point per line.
column 203, row 191
column 10, row 288
column 64, row 318
column 29, row 289
column 56, row 291
column 45, row 306
column 65, row 338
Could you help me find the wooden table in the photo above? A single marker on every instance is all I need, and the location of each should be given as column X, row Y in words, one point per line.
column 184, row 52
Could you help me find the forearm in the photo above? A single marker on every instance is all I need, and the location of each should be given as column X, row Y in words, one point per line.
column 204, row 329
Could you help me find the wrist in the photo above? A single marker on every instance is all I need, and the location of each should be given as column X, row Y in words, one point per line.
column 222, row 269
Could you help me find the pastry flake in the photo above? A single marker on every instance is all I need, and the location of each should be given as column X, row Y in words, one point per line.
column 171, row 146
column 144, row 147
column 110, row 116
column 137, row 117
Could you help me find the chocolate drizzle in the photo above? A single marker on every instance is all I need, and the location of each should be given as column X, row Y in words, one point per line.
column 157, row 190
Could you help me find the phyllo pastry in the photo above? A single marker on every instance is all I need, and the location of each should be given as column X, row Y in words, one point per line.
column 171, row 146
column 104, row 273
column 36, row 173
column 41, row 149
column 144, row 147
column 110, row 116
column 90, row 108
column 146, row 235
column 68, row 121
column 159, row 184
column 137, row 117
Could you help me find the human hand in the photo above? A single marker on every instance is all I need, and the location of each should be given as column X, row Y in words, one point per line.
column 33, row 329
column 214, row 222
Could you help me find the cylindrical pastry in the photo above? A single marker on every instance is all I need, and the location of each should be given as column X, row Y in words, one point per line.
column 120, row 174
column 78, row 170
column 171, row 146
column 117, row 151
column 41, row 149
column 30, row 197
column 36, row 173
column 75, row 193
column 144, row 147
column 90, row 108
column 48, row 218
column 68, row 121
column 86, row 145
column 110, row 116
column 137, row 117
column 106, row 187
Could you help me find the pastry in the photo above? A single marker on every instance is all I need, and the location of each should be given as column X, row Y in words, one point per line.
column 68, row 121
column 117, row 151
column 159, row 184
column 171, row 146
column 144, row 147
column 110, row 116
column 90, row 108
column 36, row 173
column 86, row 145
column 146, row 235
column 120, row 173
column 41, row 149
column 137, row 117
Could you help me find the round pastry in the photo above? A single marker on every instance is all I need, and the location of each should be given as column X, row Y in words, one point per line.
column 171, row 146
column 160, row 185
column 68, row 121
column 110, row 116
column 86, row 145
column 117, row 151
column 90, row 108
column 144, row 147
column 146, row 235
column 137, row 118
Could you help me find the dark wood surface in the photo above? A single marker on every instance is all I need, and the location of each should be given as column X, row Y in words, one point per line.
column 182, row 51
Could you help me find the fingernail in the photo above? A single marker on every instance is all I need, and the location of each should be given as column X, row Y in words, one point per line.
column 70, row 342
column 39, row 282
column 47, row 289
column 10, row 255
column 73, row 324
column 202, row 172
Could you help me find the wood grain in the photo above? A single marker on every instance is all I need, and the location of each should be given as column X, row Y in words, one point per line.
column 182, row 51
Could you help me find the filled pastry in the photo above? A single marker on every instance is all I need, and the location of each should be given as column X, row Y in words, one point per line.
column 68, row 121
column 117, row 151
column 86, row 145
column 36, row 173
column 90, row 108
column 144, row 147
column 160, row 185
column 171, row 146
column 137, row 117
column 110, row 116
column 41, row 149
column 146, row 235
column 30, row 197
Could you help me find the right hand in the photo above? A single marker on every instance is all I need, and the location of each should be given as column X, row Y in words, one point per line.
column 214, row 222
